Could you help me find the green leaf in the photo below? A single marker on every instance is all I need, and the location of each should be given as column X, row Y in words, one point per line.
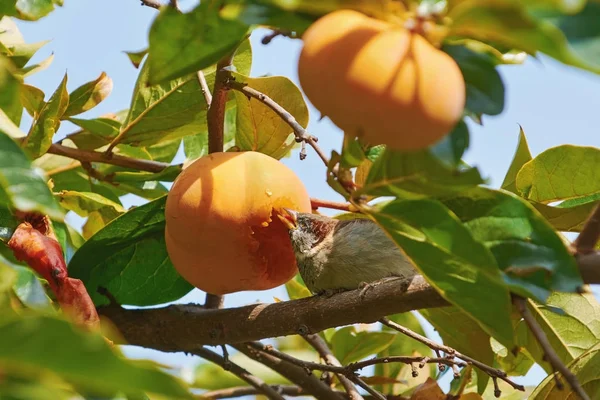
column 24, row 187
column 8, row 223
column 508, row 23
column 166, row 175
column 39, row 138
column 39, row 343
column 416, row 174
column 513, row 365
column 521, row 157
column 485, row 89
column 12, row 43
column 258, row 127
column 30, row 291
column 451, row 148
column 582, row 32
column 32, row 99
column 29, row 10
column 570, row 333
column 184, row 43
column 462, row 333
column 296, row 15
column 181, row 99
column 585, row 368
column 136, row 57
column 90, row 204
column 35, row 68
column 95, row 133
column 10, row 88
column 129, row 258
column 296, row 289
column 349, row 345
column 532, row 255
column 452, row 261
column 560, row 173
column 566, row 219
column 88, row 96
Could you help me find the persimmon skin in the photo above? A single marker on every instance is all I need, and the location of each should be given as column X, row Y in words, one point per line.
column 221, row 232
column 380, row 81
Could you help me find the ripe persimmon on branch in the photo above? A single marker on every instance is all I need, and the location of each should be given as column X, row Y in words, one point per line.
column 488, row 269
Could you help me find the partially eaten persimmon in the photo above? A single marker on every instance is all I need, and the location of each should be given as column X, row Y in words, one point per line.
column 222, row 232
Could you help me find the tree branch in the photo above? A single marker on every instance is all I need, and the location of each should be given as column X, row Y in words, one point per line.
column 235, row 369
column 239, row 391
column 296, row 374
column 113, row 159
column 216, row 112
column 319, row 203
column 450, row 352
column 326, row 354
column 549, row 352
column 590, row 234
column 301, row 134
column 186, row 327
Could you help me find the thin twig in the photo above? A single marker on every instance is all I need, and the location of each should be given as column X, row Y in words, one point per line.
column 367, row 388
column 204, row 87
column 301, row 134
column 269, row 37
column 152, row 3
column 326, row 354
column 239, row 391
column 590, row 234
column 450, row 352
column 549, row 352
column 113, row 159
column 265, row 389
column 294, row 373
column 318, row 203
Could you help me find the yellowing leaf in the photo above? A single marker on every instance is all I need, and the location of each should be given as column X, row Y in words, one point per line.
column 89, row 95
column 258, row 127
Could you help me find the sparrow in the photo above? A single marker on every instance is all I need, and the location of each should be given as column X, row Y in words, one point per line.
column 339, row 255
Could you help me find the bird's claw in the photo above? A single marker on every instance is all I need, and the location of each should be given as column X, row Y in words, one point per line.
column 364, row 288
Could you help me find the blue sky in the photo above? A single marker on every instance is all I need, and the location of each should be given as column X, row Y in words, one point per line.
column 553, row 103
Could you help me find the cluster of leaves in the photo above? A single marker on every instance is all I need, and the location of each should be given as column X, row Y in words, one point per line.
column 474, row 244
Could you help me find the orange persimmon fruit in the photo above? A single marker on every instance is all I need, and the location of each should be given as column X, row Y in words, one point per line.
column 222, row 233
column 380, row 81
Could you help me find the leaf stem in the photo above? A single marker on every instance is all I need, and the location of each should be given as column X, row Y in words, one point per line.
column 549, row 352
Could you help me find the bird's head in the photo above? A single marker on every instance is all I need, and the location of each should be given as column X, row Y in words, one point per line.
column 306, row 230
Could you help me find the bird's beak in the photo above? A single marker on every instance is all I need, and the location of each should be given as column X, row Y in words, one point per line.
column 289, row 218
